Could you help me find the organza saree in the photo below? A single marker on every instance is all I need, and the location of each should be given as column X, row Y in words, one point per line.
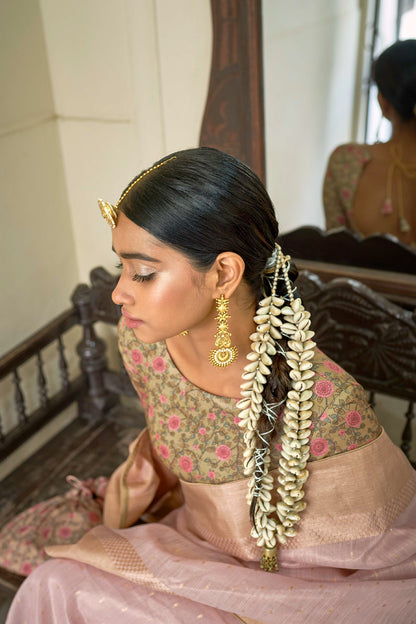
column 353, row 560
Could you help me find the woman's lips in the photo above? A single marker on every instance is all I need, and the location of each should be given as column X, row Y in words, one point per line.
column 130, row 321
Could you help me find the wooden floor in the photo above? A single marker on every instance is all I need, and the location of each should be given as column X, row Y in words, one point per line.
column 81, row 449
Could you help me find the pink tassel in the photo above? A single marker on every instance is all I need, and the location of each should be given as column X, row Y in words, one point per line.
column 387, row 207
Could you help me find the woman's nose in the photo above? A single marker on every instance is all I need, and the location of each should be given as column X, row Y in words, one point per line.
column 121, row 294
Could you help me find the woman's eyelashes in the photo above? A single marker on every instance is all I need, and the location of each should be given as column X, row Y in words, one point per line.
column 142, row 278
column 136, row 277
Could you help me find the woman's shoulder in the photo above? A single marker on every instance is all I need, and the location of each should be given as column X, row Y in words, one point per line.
column 349, row 153
column 342, row 419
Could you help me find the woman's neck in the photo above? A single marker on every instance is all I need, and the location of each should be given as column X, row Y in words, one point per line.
column 404, row 138
column 191, row 353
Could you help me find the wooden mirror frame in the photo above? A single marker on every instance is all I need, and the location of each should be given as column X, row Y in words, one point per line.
column 234, row 119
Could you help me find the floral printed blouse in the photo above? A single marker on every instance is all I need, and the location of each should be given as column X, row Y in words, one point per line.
column 343, row 173
column 196, row 434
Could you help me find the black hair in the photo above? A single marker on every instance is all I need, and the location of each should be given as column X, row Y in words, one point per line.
column 394, row 73
column 203, row 202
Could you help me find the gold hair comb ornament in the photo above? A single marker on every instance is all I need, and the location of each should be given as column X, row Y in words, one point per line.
column 110, row 212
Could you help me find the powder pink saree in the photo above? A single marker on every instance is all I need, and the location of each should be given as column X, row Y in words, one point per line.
column 353, row 560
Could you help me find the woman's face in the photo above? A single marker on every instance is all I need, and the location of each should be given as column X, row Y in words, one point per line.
column 159, row 291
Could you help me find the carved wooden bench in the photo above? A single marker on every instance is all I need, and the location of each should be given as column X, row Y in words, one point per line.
column 371, row 337
column 93, row 444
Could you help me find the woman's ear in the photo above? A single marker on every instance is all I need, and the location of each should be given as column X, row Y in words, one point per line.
column 227, row 273
column 386, row 107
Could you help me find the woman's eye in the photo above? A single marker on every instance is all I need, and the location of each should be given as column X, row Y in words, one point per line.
column 136, row 277
column 142, row 278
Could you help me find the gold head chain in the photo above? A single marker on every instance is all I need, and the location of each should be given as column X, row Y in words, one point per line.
column 109, row 211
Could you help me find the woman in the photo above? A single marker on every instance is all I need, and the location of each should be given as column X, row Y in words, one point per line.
column 202, row 285
column 372, row 188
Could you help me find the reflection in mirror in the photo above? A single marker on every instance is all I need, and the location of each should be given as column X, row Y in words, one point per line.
column 317, row 93
column 371, row 188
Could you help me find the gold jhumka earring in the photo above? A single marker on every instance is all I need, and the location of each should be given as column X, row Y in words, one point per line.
column 223, row 354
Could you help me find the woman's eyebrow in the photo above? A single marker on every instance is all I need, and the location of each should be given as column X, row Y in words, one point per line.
column 135, row 256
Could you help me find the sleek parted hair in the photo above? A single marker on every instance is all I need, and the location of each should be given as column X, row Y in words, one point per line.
column 202, row 202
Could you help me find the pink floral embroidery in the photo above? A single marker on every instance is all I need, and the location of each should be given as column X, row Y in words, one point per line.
column 319, row 447
column 333, row 367
column 150, row 412
column 26, row 568
column 346, row 193
column 323, row 416
column 164, row 451
column 237, row 419
column 223, row 452
column 341, row 432
column 185, row 463
column 24, row 529
column 353, row 419
column 279, row 447
column 324, row 388
column 137, row 356
column 211, row 475
column 65, row 531
column 93, row 517
column 46, row 531
column 162, row 398
column 159, row 365
column 174, row 422
column 182, row 392
column 157, row 436
column 352, row 447
column 211, row 416
column 202, row 431
column 196, row 447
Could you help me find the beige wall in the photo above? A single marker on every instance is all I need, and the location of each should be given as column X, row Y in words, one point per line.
column 92, row 93
column 37, row 243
